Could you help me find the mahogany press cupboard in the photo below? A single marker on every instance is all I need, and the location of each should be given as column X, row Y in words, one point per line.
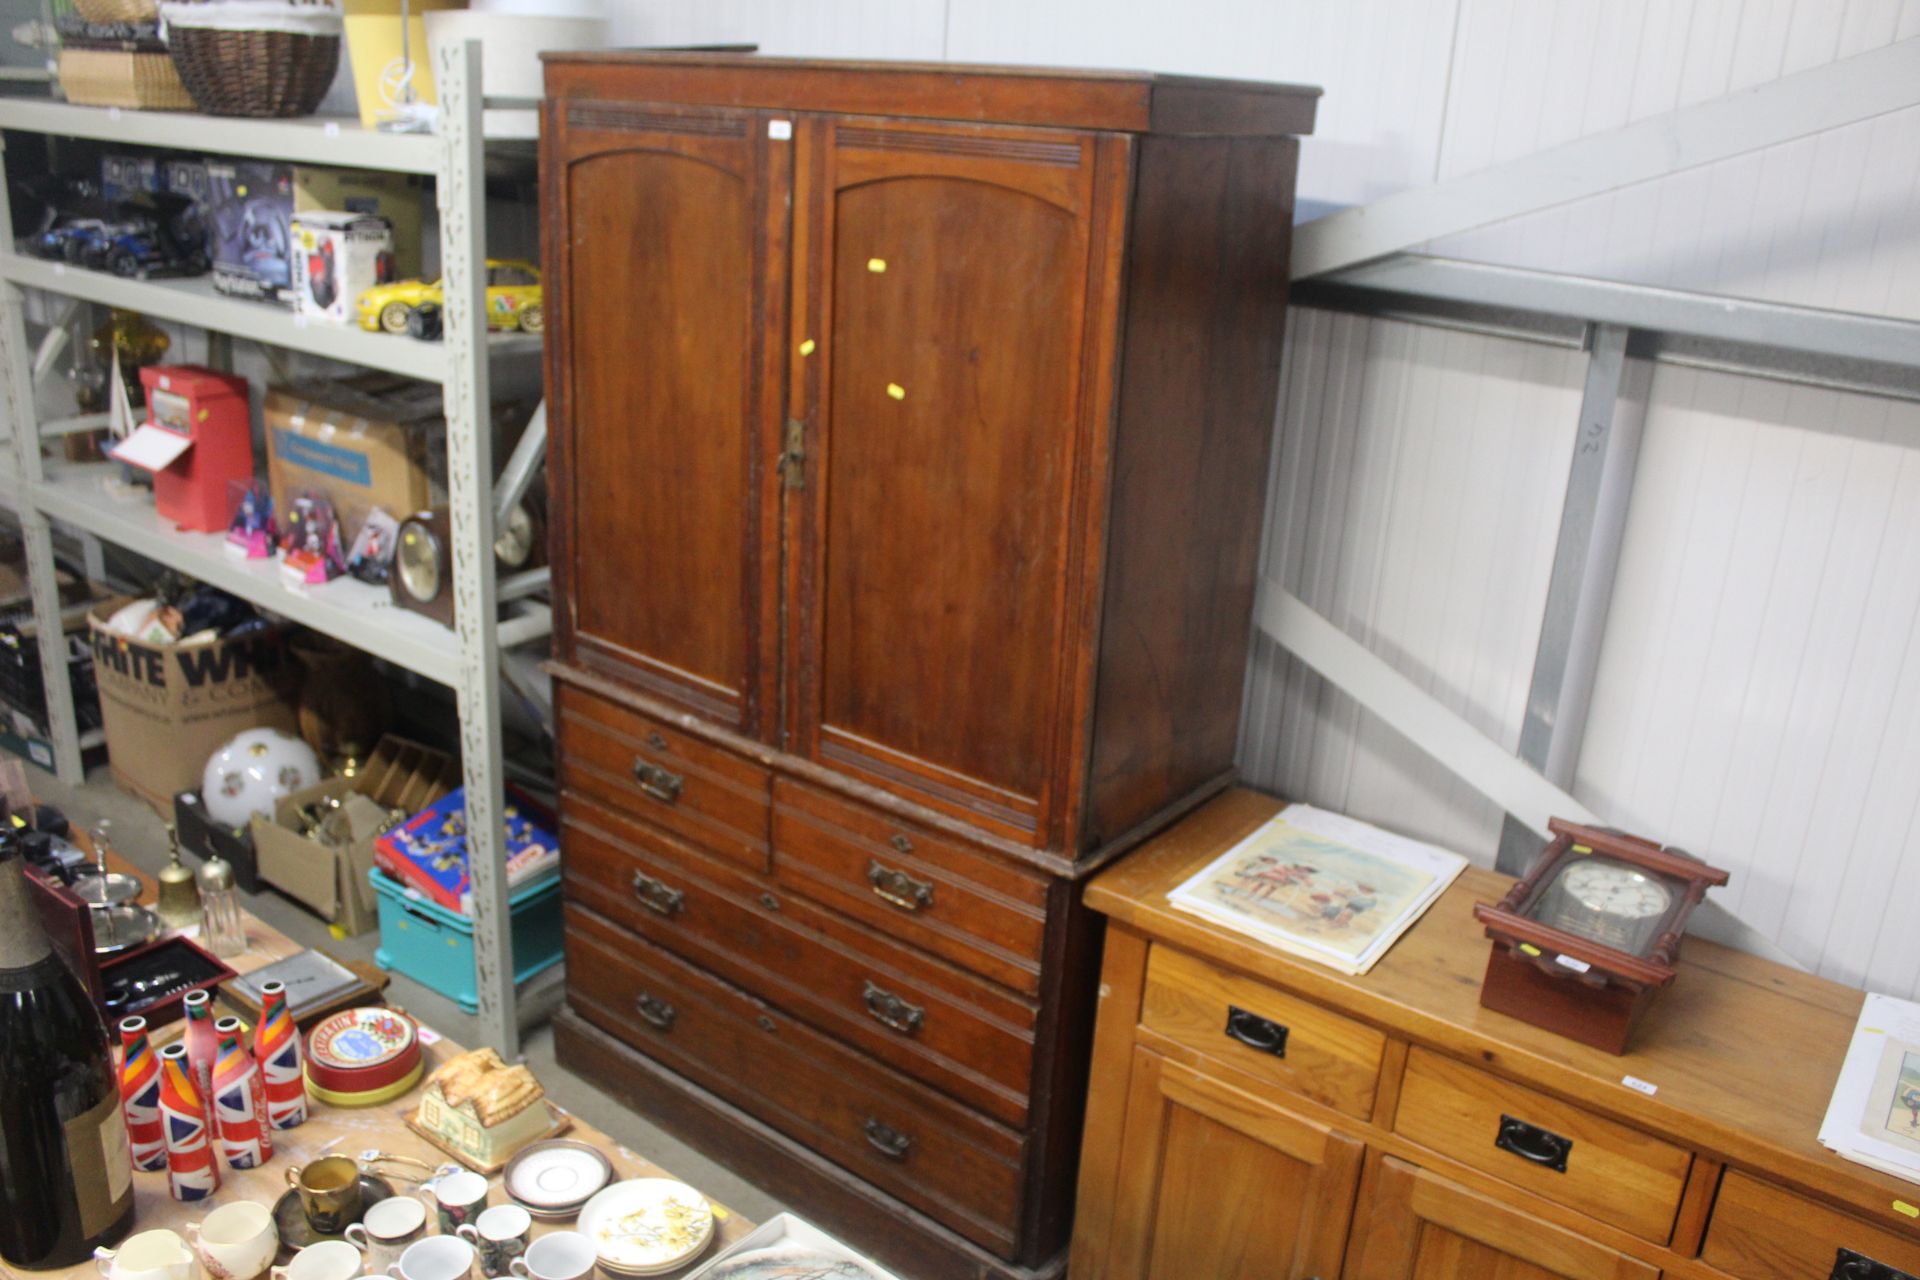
column 910, row 431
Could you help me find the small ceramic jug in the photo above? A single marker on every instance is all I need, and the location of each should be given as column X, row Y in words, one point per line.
column 149, row 1255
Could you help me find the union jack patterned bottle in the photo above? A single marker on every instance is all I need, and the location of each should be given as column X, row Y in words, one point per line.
column 282, row 1062
column 140, row 1096
column 192, row 1171
column 201, row 1043
column 239, row 1101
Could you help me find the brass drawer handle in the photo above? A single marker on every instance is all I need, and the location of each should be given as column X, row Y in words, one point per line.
column 1256, row 1032
column 656, row 1011
column 899, row 888
column 662, row 784
column 1533, row 1144
column 1848, row 1265
column 890, row 1010
column 887, row 1140
column 657, row 895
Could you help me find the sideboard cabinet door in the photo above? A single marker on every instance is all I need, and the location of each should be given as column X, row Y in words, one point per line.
column 945, row 299
column 1416, row 1225
column 669, row 236
column 1218, row 1182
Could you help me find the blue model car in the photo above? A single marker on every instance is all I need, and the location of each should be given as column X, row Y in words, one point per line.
column 149, row 236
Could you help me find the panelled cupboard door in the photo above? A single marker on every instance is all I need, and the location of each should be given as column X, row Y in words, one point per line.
column 1220, row 1183
column 942, row 330
column 1416, row 1225
column 670, row 244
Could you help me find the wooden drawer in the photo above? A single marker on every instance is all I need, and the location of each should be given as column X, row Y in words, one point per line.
column 647, row 769
column 1760, row 1232
column 1248, row 1025
column 1614, row 1173
column 905, row 1138
column 941, row 1024
column 965, row 904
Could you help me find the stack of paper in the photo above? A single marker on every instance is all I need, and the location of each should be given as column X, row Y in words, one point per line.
column 1321, row 886
column 1874, row 1115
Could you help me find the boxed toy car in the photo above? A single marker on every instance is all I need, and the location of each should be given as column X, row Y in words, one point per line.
column 336, row 257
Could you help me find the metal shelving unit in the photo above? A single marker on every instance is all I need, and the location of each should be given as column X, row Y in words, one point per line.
column 466, row 659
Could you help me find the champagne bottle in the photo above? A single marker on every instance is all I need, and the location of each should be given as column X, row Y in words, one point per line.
column 66, row 1175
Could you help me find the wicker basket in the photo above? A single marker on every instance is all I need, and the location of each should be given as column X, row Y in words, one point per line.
column 255, row 57
column 110, row 11
column 122, row 78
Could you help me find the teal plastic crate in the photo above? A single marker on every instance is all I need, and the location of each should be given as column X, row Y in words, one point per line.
column 433, row 945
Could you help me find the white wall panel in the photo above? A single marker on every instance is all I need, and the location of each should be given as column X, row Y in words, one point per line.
column 1758, row 699
column 1417, row 490
column 900, row 29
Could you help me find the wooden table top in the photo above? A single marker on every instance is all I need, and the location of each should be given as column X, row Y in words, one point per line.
column 1743, row 1053
column 352, row 1131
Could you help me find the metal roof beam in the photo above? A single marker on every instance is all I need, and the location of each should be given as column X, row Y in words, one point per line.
column 1841, row 93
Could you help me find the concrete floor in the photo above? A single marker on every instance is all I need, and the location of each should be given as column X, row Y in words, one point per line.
column 140, row 836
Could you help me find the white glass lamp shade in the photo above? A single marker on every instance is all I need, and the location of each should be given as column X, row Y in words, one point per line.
column 254, row 769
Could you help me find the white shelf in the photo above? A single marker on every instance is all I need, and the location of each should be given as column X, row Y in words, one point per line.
column 346, row 609
column 341, row 141
column 196, row 302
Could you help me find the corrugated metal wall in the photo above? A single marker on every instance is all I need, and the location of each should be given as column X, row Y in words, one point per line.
column 1755, row 701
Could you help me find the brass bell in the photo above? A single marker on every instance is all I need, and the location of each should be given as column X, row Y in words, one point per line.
column 179, row 904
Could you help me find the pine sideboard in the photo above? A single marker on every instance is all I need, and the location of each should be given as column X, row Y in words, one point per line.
column 1253, row 1115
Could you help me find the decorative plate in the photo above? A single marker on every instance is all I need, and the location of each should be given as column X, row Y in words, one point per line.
column 363, row 1050
column 646, row 1226
column 553, row 1179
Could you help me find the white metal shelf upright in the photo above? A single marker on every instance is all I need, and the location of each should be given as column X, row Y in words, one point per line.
column 465, row 659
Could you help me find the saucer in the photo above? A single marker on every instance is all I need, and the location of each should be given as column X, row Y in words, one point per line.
column 553, row 1179
column 647, row 1226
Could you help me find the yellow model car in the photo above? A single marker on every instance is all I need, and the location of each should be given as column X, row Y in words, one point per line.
column 513, row 300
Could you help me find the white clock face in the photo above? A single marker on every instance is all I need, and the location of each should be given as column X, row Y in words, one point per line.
column 1615, row 890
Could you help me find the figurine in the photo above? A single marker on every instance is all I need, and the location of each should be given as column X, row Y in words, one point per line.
column 514, row 300
column 251, row 532
column 311, row 542
column 372, row 556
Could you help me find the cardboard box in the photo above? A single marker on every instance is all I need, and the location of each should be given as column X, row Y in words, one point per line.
column 167, row 707
column 249, row 213
column 362, row 441
column 333, row 880
column 337, row 257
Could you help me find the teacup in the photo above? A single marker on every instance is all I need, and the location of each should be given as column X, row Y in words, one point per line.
column 330, row 1192
column 558, row 1255
column 461, row 1196
column 327, row 1260
column 236, row 1241
column 499, row 1235
column 435, row 1258
column 387, row 1228
column 149, row 1255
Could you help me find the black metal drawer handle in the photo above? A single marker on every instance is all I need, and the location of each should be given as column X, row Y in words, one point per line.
column 901, row 843
column 1533, row 1144
column 899, row 888
column 1256, row 1032
column 1848, row 1265
column 887, row 1140
column 657, row 895
column 891, row 1010
column 655, row 1010
column 662, row 784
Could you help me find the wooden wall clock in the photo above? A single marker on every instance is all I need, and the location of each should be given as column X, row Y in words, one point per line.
column 1587, row 936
